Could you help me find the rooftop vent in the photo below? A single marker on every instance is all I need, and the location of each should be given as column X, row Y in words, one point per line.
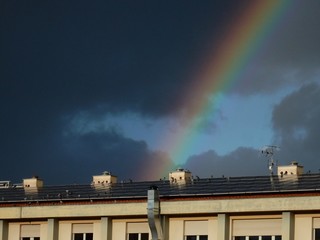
column 180, row 176
column 104, row 179
column 293, row 169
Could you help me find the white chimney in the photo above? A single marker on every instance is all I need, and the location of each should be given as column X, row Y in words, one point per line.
column 290, row 170
column 34, row 182
column 180, row 176
column 104, row 179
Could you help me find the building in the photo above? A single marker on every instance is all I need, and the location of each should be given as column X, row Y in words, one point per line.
column 284, row 206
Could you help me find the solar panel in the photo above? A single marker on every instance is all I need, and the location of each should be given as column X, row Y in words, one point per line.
column 197, row 187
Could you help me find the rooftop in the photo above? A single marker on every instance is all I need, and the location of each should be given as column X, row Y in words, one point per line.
column 204, row 187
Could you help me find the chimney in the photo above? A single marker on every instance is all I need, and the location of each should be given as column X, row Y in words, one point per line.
column 32, row 183
column 294, row 169
column 104, row 179
column 180, row 176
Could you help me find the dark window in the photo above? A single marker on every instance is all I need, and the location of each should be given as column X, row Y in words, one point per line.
column 36, row 238
column 78, row 236
column 82, row 236
column 191, row 237
column 203, row 237
column 254, row 238
column 317, row 234
column 144, row 236
column 266, row 238
column 133, row 236
column 89, row 236
column 277, row 237
column 240, row 238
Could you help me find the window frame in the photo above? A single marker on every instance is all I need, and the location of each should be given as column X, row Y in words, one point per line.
column 197, row 236
column 273, row 237
column 30, row 238
column 315, row 234
column 139, row 235
column 84, row 235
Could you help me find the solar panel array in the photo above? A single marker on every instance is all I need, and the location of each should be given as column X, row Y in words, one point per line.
column 194, row 187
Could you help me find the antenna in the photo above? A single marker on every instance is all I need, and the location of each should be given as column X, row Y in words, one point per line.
column 268, row 152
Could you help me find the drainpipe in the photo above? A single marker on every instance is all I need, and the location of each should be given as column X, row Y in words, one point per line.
column 154, row 213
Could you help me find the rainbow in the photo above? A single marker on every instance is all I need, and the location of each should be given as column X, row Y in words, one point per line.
column 223, row 68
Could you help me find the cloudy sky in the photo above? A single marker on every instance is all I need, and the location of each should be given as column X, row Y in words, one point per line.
column 89, row 86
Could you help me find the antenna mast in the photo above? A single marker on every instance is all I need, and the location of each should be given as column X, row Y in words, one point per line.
column 268, row 152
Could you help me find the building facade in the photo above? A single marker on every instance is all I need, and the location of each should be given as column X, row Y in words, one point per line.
column 285, row 206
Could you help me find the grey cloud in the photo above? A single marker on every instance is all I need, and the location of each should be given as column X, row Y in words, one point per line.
column 98, row 151
column 296, row 124
column 289, row 55
column 241, row 162
column 74, row 158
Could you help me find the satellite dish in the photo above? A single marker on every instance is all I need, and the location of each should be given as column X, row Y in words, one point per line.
column 268, row 151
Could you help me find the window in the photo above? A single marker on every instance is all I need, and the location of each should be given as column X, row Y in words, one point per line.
column 266, row 238
column 191, row 237
column 317, row 234
column 138, row 236
column 83, row 236
column 82, row 231
column 239, row 238
column 197, row 237
column 277, row 237
column 137, row 231
column 257, row 229
column 30, row 232
column 196, row 230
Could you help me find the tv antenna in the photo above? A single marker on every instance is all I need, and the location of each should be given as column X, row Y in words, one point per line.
column 268, row 151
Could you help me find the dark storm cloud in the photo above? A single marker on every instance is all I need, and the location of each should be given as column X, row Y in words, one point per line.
column 121, row 56
column 241, row 162
column 62, row 58
column 109, row 150
column 296, row 124
column 129, row 56
column 74, row 158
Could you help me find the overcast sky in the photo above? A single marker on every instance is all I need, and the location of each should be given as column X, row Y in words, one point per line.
column 89, row 86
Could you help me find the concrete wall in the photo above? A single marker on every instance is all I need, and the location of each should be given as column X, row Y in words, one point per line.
column 302, row 228
column 220, row 214
column 278, row 204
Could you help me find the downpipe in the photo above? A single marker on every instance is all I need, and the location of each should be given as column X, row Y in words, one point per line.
column 154, row 213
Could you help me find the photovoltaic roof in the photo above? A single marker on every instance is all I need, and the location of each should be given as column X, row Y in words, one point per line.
column 195, row 187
